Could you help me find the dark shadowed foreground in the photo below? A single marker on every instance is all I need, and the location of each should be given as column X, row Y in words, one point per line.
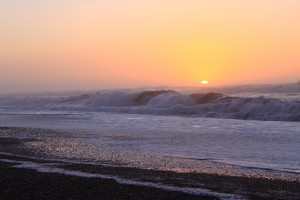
column 22, row 183
column 26, row 174
column 29, row 184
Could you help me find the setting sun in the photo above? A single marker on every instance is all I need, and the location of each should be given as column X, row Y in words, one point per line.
column 97, row 45
column 153, row 93
column 204, row 82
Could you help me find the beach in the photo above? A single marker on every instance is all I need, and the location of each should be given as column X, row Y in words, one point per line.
column 30, row 174
column 150, row 100
column 29, row 184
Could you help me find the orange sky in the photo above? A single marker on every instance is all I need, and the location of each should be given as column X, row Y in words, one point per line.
column 89, row 44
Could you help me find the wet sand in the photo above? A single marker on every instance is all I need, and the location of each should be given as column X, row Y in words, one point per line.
column 29, row 184
column 21, row 178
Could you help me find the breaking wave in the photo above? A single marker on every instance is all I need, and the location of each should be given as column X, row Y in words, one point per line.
column 166, row 102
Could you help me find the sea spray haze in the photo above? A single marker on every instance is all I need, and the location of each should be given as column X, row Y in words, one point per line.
column 209, row 87
column 256, row 102
column 86, row 45
column 251, row 126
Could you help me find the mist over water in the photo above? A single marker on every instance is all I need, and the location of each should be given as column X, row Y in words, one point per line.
column 251, row 126
column 139, row 84
column 255, row 102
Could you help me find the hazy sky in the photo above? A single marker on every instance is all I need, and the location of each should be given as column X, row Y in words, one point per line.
column 94, row 44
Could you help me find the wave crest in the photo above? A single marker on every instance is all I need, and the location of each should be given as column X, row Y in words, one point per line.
column 167, row 102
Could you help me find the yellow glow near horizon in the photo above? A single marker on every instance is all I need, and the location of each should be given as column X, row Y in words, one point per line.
column 204, row 82
column 110, row 44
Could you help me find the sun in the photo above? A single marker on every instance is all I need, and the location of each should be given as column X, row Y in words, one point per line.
column 204, row 82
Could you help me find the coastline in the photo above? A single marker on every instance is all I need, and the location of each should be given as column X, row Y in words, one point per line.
column 30, row 184
column 141, row 183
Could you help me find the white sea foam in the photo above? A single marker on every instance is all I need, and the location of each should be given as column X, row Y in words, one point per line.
column 53, row 168
column 120, row 119
column 259, row 144
column 248, row 106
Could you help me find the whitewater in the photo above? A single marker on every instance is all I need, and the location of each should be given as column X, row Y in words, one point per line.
column 249, row 126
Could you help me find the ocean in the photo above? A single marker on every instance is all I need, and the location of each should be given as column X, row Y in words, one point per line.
column 248, row 126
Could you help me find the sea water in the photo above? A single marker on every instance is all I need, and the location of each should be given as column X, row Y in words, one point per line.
column 251, row 129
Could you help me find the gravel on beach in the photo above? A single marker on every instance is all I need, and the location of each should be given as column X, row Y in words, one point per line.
column 29, row 182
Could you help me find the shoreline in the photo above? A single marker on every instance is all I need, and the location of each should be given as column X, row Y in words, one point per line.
column 192, row 185
column 161, row 183
column 29, row 184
